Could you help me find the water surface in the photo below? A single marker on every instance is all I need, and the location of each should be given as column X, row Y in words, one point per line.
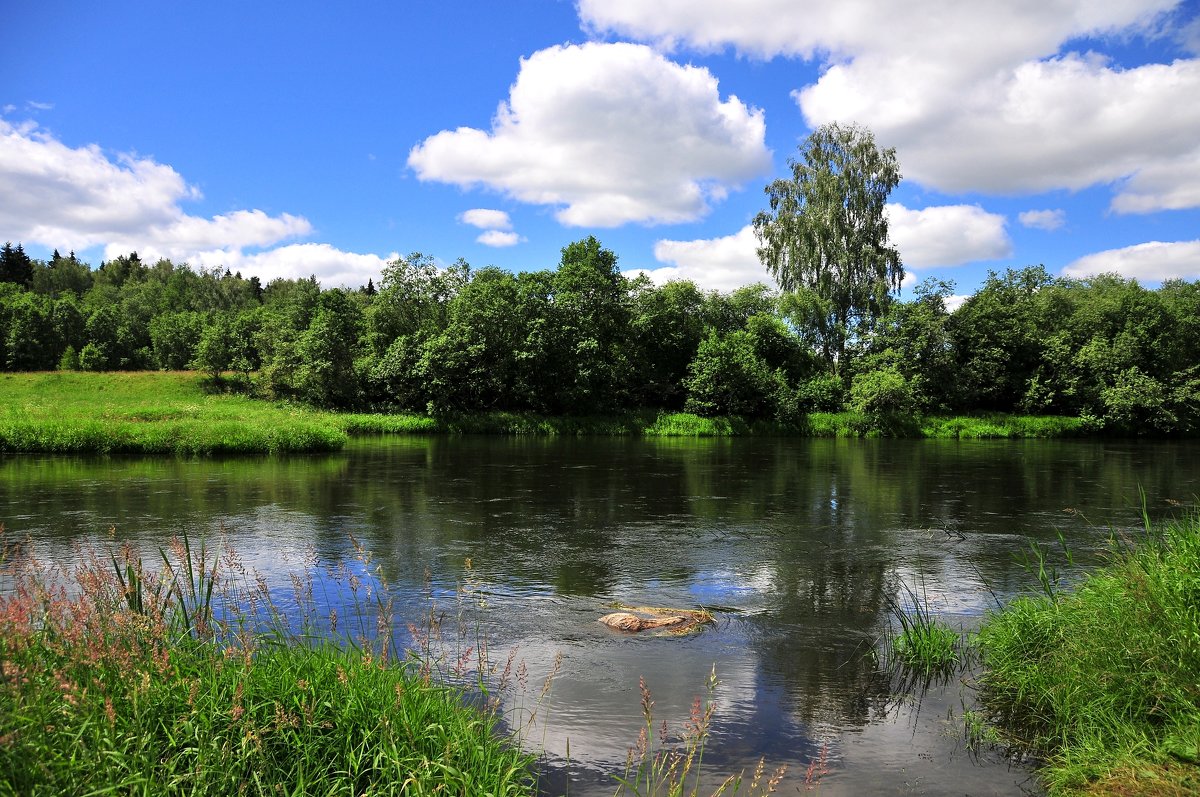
column 795, row 544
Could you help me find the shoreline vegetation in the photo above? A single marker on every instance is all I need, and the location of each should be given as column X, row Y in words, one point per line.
column 581, row 348
column 188, row 413
column 1101, row 683
column 118, row 678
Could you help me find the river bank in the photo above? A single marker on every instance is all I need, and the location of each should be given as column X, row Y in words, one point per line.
column 184, row 413
column 118, row 678
column 1102, row 682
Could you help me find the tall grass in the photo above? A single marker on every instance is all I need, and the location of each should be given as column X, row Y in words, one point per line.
column 660, row 765
column 1002, row 426
column 185, row 680
column 920, row 640
column 1103, row 682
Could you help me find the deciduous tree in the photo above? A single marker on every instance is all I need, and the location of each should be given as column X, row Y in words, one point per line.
column 825, row 236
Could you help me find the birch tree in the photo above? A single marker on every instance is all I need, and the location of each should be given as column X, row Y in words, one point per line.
column 825, row 237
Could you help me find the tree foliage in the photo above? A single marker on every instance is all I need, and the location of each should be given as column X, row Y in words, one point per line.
column 582, row 338
column 825, row 237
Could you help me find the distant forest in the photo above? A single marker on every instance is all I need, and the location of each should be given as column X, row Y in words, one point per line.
column 583, row 339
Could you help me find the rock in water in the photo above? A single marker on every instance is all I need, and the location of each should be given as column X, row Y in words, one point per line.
column 627, row 621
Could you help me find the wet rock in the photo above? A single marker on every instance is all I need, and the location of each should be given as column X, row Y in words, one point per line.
column 627, row 621
column 647, row 618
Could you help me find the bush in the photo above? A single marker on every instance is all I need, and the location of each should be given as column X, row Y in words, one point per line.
column 728, row 378
column 821, row 393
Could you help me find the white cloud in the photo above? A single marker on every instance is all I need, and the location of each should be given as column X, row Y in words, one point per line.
column 722, row 264
column 955, row 301
column 608, row 134
column 76, row 198
column 1166, row 185
column 1069, row 122
column 332, row 267
column 980, row 35
column 486, row 219
column 947, row 235
column 1043, row 219
column 988, row 101
column 1149, row 262
column 498, row 238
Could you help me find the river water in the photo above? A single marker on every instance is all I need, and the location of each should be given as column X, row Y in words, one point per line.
column 793, row 544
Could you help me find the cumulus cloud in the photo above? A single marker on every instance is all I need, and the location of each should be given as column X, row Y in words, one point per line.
column 498, row 238
column 955, row 301
column 608, row 134
column 332, row 267
column 1149, row 262
column 947, row 235
column 496, row 224
column 722, row 264
column 78, row 197
column 989, row 101
column 1043, row 219
column 1167, row 185
column 486, row 219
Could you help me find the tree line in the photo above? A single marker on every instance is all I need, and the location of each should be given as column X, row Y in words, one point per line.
column 581, row 338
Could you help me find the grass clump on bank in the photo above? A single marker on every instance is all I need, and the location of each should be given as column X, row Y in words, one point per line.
column 1001, row 426
column 1103, row 682
column 119, row 680
column 920, row 641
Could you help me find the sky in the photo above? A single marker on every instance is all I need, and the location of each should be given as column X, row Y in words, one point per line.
column 315, row 138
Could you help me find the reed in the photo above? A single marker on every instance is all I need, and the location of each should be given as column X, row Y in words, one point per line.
column 663, row 765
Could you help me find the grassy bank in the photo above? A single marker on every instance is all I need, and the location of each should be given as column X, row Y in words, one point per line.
column 118, row 680
column 150, row 413
column 1103, row 682
column 184, row 413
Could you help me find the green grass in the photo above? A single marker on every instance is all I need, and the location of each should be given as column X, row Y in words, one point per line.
column 992, row 426
column 183, row 413
column 150, row 413
column 1104, row 681
column 920, row 641
column 125, row 681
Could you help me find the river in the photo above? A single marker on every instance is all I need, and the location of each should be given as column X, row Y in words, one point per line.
column 793, row 544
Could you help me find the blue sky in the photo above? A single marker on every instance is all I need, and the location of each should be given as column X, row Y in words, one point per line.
column 313, row 138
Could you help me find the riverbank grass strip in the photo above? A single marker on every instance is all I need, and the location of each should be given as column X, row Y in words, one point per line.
column 1103, row 682
column 150, row 413
column 185, row 413
column 121, row 681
